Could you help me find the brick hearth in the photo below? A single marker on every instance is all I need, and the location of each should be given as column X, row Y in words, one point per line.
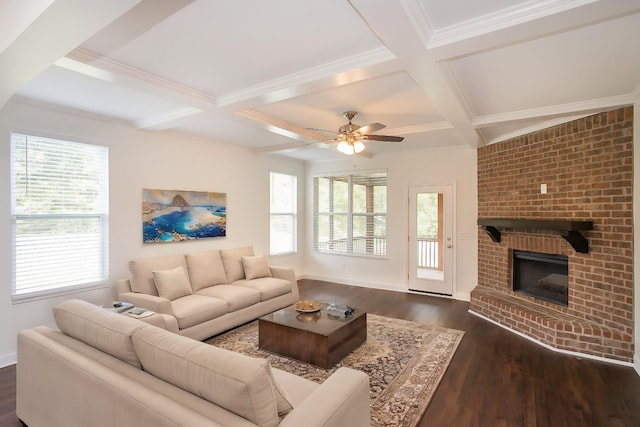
column 587, row 166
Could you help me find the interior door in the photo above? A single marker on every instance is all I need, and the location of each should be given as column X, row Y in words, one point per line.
column 431, row 240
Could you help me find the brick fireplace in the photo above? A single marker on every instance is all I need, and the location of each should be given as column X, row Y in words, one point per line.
column 586, row 165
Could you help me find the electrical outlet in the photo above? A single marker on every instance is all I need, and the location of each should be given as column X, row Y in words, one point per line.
column 543, row 188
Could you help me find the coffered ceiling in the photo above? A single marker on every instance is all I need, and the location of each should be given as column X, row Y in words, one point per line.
column 276, row 76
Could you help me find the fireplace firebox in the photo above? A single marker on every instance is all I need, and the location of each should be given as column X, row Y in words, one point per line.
column 542, row 276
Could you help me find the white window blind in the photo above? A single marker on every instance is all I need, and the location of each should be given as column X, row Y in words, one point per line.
column 283, row 206
column 350, row 213
column 60, row 209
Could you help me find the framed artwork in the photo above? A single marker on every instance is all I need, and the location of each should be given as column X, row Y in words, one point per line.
column 175, row 216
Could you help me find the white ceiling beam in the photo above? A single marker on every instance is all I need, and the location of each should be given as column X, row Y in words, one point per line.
column 91, row 64
column 16, row 16
column 421, row 128
column 281, row 127
column 532, row 20
column 537, row 127
column 583, row 107
column 140, row 19
column 363, row 66
column 167, row 121
column 513, row 16
column 380, row 61
column 392, row 22
column 60, row 28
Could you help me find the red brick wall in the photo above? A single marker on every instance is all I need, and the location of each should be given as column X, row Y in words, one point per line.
column 587, row 166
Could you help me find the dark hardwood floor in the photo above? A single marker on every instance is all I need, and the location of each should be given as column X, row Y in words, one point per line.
column 496, row 378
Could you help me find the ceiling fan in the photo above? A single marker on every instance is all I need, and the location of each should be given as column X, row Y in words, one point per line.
column 351, row 135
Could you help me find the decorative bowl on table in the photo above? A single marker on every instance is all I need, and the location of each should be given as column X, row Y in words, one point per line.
column 308, row 306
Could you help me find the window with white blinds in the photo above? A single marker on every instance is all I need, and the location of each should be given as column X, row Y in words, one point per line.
column 350, row 214
column 283, row 206
column 60, row 207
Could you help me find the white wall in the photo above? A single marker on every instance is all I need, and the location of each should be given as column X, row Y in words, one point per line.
column 142, row 160
column 404, row 169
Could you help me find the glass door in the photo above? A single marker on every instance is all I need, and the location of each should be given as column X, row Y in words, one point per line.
column 431, row 239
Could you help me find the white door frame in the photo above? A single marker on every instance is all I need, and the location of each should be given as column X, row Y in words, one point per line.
column 449, row 253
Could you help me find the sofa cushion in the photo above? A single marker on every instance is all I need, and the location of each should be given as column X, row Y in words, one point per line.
column 255, row 267
column 237, row 297
column 142, row 271
column 232, row 261
column 205, row 269
column 269, row 287
column 172, row 284
column 105, row 330
column 192, row 310
column 241, row 384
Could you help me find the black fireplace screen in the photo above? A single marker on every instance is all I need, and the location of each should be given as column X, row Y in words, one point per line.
column 542, row 276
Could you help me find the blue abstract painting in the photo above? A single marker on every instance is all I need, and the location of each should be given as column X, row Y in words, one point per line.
column 175, row 216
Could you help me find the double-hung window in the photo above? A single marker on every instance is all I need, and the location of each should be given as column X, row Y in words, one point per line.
column 350, row 213
column 59, row 213
column 283, row 213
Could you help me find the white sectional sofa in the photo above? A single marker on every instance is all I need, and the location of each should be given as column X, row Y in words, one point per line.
column 209, row 292
column 103, row 369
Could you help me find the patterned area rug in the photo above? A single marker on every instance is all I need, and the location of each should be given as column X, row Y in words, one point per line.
column 405, row 362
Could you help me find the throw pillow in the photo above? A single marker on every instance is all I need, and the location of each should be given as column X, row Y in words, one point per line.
column 232, row 261
column 255, row 267
column 142, row 271
column 172, row 284
column 205, row 269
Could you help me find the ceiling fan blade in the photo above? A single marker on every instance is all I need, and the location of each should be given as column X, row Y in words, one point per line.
column 320, row 142
column 384, row 138
column 321, row 130
column 371, row 127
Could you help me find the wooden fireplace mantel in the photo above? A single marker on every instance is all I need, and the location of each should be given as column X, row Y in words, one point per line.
column 569, row 230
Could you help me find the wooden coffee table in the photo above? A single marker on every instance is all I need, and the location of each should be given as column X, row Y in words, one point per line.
column 315, row 338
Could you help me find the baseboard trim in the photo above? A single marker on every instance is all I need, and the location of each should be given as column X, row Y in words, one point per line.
column 383, row 286
column 636, row 363
column 558, row 350
column 8, row 359
column 359, row 283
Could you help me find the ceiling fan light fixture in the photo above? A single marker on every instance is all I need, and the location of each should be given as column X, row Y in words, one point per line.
column 351, row 135
column 350, row 148
column 346, row 148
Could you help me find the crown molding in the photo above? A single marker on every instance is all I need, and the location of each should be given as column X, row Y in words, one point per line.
column 63, row 109
column 421, row 128
column 537, row 127
column 282, row 87
column 590, row 106
column 635, row 95
column 166, row 121
column 272, row 149
column 281, row 127
column 499, row 20
column 420, row 20
column 107, row 69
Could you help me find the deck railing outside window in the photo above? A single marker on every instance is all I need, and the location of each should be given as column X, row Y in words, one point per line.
column 427, row 249
column 428, row 253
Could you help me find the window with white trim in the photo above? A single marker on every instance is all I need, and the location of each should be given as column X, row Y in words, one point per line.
column 350, row 214
column 59, row 213
column 283, row 210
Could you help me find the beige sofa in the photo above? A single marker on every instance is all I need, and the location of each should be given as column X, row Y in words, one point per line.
column 104, row 369
column 209, row 292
